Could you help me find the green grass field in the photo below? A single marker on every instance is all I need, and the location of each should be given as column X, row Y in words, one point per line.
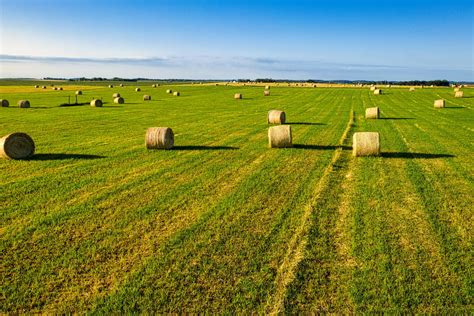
column 94, row 222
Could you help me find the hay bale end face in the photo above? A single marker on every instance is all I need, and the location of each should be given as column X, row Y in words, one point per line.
column 24, row 104
column 78, row 92
column 138, row 89
column 439, row 104
column 366, row 144
column 266, row 93
column 96, row 103
column 16, row 146
column 378, row 91
column 60, row 88
column 119, row 100
column 159, row 138
column 459, row 94
column 267, row 87
column 238, row 96
column 176, row 93
column 169, row 91
column 372, row 113
column 280, row 136
column 121, row 85
column 43, row 87
column 276, row 117
column 153, row 85
column 36, row 86
column 146, row 97
column 111, row 85
column 116, row 95
column 4, row 103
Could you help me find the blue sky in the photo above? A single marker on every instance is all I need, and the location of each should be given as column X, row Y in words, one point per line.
column 375, row 40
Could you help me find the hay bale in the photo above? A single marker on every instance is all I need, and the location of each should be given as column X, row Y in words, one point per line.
column 279, row 136
column 96, row 103
column 43, row 87
column 176, row 94
column 153, row 85
column 159, row 138
column 439, row 104
column 138, row 89
column 24, row 104
column 119, row 100
column 372, row 113
column 121, row 85
column 36, row 86
column 267, row 87
column 116, row 95
column 366, row 144
column 276, row 117
column 457, row 89
column 169, row 91
column 378, row 91
column 373, row 88
column 266, row 93
column 459, row 94
column 146, row 97
column 16, row 146
column 55, row 88
column 111, row 85
column 78, row 92
column 4, row 103
column 238, row 96
column 61, row 88
column 412, row 89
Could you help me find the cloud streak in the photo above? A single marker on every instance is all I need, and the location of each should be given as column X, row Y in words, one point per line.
column 213, row 67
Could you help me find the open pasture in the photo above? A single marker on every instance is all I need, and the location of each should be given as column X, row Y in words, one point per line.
column 221, row 223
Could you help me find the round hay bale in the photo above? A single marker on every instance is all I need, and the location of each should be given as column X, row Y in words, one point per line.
column 78, row 92
column 412, row 89
column 238, row 96
column 16, row 146
column 121, row 85
column 459, row 94
column 372, row 88
column 111, row 85
column 55, row 88
column 267, row 87
column 169, row 91
column 43, row 87
column 138, row 89
column 96, row 103
column 276, row 117
column 153, row 85
column 266, row 93
column 119, row 100
column 280, row 136
column 24, row 104
column 176, row 93
column 372, row 113
column 36, row 86
column 60, row 88
column 4, row 103
column 439, row 104
column 159, row 138
column 116, row 95
column 456, row 89
column 378, row 91
column 146, row 97
column 366, row 144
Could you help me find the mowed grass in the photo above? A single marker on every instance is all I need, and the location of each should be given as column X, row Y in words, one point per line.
column 95, row 222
